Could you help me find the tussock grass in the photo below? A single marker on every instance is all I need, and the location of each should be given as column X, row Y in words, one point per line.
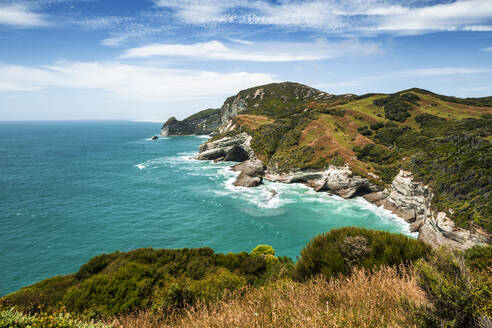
column 362, row 300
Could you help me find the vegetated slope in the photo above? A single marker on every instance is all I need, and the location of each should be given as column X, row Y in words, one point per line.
column 203, row 122
column 444, row 141
column 167, row 280
column 363, row 300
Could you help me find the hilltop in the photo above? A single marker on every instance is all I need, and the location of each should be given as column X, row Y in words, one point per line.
column 427, row 157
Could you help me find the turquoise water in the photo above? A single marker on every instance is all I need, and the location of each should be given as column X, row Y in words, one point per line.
column 73, row 190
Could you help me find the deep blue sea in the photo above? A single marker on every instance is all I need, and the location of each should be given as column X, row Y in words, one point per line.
column 73, row 190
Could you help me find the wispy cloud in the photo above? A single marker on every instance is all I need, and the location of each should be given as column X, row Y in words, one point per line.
column 258, row 52
column 128, row 81
column 350, row 16
column 18, row 15
column 458, row 15
column 105, row 22
column 489, row 49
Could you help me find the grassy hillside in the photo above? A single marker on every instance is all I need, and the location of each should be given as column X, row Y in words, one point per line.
column 444, row 141
column 349, row 277
column 167, row 280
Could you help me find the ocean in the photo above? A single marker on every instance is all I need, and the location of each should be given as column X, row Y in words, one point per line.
column 75, row 189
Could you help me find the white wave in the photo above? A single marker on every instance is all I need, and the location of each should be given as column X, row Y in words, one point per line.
column 140, row 166
column 384, row 214
column 203, row 137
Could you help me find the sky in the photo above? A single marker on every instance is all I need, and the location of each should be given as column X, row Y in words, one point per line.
column 152, row 59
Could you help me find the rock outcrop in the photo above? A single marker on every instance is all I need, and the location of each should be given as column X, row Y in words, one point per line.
column 204, row 122
column 251, row 173
column 411, row 200
column 234, row 149
column 337, row 180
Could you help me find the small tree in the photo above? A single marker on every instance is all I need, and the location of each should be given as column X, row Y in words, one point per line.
column 263, row 250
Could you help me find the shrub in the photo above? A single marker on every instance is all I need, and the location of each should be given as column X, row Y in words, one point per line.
column 262, row 250
column 396, row 106
column 479, row 257
column 339, row 250
column 376, row 126
column 215, row 285
column 375, row 153
column 459, row 298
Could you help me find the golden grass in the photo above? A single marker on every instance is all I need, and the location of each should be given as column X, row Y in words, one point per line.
column 362, row 300
column 253, row 122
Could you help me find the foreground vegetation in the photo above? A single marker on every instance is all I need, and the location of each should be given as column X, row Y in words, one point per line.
column 362, row 300
column 349, row 277
column 444, row 141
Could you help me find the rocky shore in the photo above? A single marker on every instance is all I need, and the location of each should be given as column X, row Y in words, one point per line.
column 405, row 197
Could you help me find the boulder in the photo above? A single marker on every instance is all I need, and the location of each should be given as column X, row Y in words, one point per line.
column 244, row 180
column 251, row 173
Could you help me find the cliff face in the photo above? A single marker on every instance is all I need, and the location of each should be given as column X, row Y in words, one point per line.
column 412, row 201
column 204, row 122
column 381, row 147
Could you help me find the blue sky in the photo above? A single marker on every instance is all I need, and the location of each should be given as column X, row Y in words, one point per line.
column 151, row 59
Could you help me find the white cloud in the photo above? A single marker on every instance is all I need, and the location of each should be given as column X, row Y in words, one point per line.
column 349, row 16
column 478, row 28
column 107, row 22
column 128, row 81
column 259, row 52
column 20, row 16
column 489, row 49
column 449, row 17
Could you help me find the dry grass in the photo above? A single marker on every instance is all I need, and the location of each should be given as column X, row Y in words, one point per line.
column 253, row 122
column 362, row 300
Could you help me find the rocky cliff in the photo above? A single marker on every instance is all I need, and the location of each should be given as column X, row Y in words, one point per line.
column 201, row 123
column 423, row 156
column 412, row 201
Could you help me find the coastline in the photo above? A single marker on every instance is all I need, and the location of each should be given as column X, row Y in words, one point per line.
column 407, row 199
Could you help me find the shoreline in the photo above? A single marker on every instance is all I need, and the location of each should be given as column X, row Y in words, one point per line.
column 407, row 199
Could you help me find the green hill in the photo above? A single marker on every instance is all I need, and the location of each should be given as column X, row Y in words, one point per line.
column 444, row 141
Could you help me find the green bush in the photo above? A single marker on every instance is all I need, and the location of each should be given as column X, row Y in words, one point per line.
column 479, row 257
column 376, row 126
column 459, row 298
column 262, row 250
column 215, row 285
column 375, row 153
column 337, row 251
column 396, row 106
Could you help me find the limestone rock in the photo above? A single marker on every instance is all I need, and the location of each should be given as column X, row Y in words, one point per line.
column 251, row 173
column 234, row 149
column 338, row 180
column 411, row 200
